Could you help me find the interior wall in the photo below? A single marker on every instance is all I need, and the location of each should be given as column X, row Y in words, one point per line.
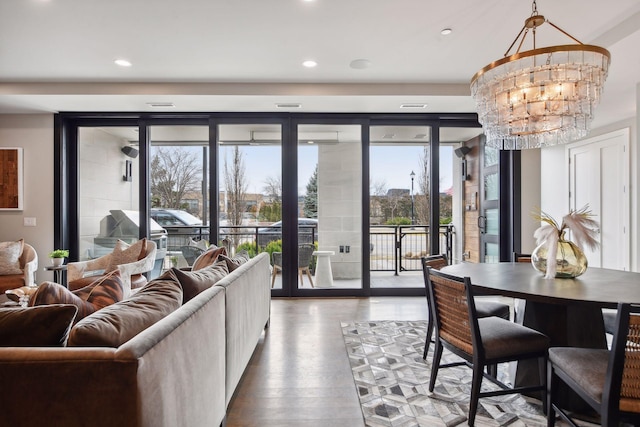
column 554, row 180
column 529, row 198
column 34, row 133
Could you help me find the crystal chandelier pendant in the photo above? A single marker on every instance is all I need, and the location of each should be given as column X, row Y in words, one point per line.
column 540, row 97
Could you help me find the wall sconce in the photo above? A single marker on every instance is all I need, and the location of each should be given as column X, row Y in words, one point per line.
column 129, row 151
column 460, row 153
column 128, row 176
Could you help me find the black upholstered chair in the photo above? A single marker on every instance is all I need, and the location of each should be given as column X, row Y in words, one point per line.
column 480, row 342
column 484, row 308
column 608, row 380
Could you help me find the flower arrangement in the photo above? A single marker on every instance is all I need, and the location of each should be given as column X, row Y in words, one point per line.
column 550, row 235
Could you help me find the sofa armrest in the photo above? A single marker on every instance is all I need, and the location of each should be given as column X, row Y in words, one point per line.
column 76, row 270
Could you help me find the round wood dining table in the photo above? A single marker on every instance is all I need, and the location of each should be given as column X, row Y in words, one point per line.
column 568, row 311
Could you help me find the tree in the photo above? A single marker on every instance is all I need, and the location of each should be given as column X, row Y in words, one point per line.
column 235, row 187
column 175, row 172
column 310, row 206
column 422, row 199
column 271, row 210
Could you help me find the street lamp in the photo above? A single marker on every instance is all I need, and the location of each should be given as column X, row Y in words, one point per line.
column 413, row 218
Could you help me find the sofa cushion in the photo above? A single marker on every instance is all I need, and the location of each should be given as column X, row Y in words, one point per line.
column 194, row 282
column 10, row 253
column 42, row 326
column 102, row 292
column 124, row 253
column 118, row 323
column 208, row 257
column 236, row 261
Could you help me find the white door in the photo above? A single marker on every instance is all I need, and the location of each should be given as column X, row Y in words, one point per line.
column 599, row 177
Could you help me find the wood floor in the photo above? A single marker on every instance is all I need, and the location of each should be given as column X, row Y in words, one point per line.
column 299, row 374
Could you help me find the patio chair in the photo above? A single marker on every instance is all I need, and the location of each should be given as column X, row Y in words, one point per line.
column 609, row 381
column 484, row 308
column 480, row 342
column 191, row 253
column 305, row 256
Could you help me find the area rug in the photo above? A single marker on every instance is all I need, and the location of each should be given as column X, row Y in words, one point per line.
column 392, row 381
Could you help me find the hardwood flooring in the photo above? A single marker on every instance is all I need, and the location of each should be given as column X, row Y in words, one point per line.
column 299, row 374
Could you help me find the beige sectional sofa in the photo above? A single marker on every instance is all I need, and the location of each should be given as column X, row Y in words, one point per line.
column 181, row 371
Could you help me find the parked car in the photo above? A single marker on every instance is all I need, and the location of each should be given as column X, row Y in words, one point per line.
column 181, row 227
column 307, row 231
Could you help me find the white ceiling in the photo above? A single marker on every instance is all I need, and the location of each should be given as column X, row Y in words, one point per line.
column 246, row 55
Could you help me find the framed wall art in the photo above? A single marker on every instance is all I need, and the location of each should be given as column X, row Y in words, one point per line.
column 11, row 179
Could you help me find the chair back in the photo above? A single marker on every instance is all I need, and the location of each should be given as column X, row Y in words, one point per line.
column 305, row 255
column 622, row 384
column 276, row 258
column 453, row 308
column 436, row 262
column 191, row 253
column 517, row 257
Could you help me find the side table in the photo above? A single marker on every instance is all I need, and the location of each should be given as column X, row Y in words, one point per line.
column 324, row 275
column 58, row 272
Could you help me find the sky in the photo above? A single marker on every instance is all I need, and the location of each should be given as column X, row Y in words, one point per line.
column 391, row 165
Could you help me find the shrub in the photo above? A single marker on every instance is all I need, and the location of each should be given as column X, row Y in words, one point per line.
column 250, row 247
column 399, row 220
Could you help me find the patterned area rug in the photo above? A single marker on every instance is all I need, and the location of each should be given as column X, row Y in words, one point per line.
column 392, row 381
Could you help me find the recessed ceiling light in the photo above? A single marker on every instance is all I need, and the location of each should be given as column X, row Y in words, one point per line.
column 310, row 142
column 446, row 31
column 289, row 105
column 161, row 104
column 122, row 62
column 360, row 64
column 309, row 64
column 413, row 106
column 388, row 136
column 420, row 136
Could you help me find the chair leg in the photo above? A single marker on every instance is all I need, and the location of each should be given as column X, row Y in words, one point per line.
column 476, row 382
column 493, row 370
column 435, row 364
column 551, row 387
column 310, row 277
column 427, row 341
column 542, row 368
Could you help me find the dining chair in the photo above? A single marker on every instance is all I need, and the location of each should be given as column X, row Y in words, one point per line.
column 480, row 342
column 608, row 380
column 484, row 308
column 305, row 256
column 518, row 257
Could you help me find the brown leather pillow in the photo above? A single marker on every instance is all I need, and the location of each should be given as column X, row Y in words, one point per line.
column 235, row 261
column 194, row 282
column 43, row 326
column 114, row 325
column 103, row 291
column 208, row 257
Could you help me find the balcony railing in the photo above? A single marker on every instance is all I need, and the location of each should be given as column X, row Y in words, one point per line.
column 392, row 248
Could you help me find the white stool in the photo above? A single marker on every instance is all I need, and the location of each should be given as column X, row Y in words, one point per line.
column 324, row 276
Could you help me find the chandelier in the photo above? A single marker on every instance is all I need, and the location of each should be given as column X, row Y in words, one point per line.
column 540, row 97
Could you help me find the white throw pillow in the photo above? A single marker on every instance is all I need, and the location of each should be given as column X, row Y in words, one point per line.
column 10, row 253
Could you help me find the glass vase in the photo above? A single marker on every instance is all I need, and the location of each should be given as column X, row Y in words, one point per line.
column 570, row 260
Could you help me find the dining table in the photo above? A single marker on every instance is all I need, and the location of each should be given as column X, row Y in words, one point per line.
column 568, row 311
